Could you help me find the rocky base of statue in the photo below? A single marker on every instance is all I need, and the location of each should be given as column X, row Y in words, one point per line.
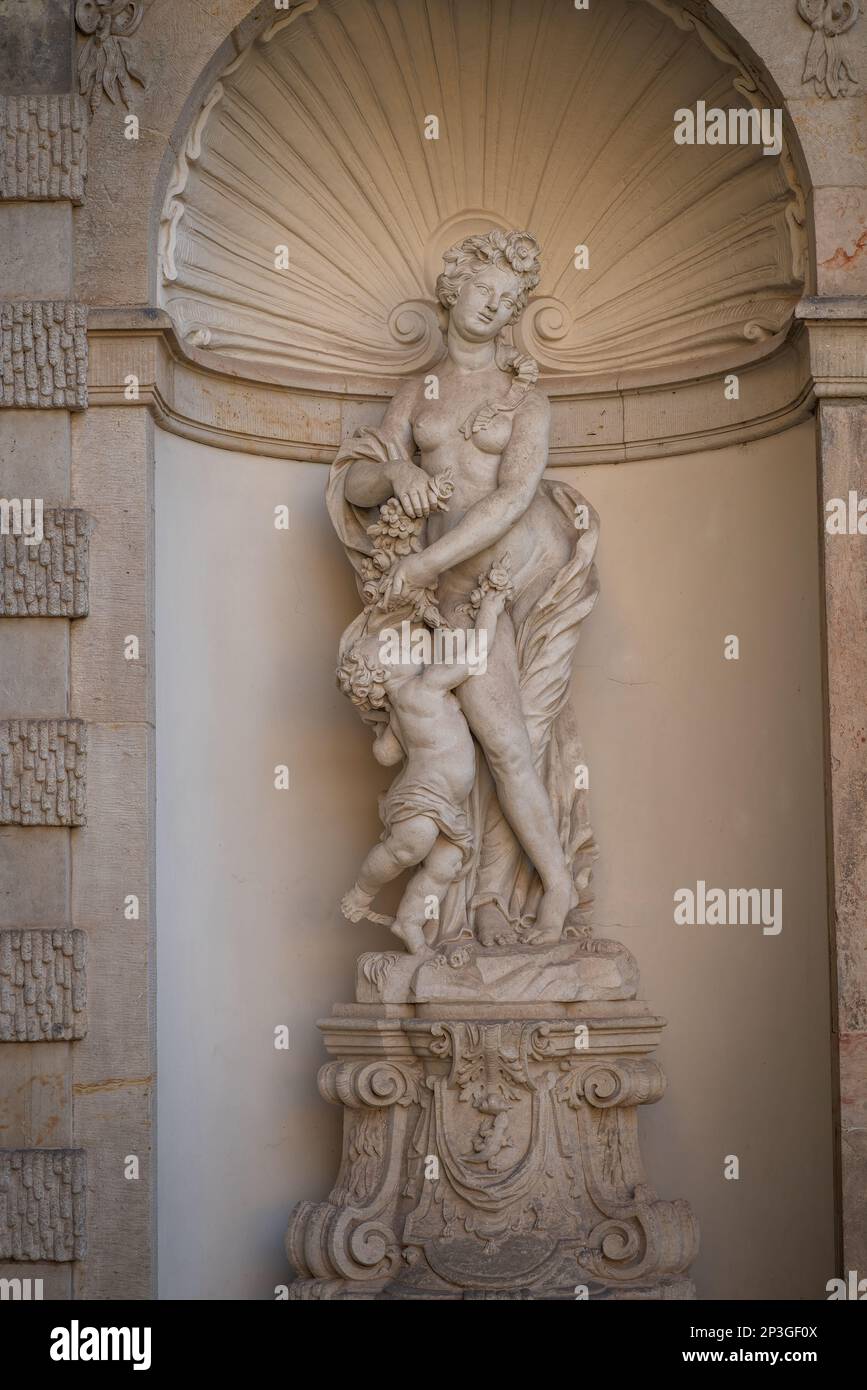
column 491, row 1152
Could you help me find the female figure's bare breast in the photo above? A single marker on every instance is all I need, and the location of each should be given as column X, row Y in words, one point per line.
column 440, row 432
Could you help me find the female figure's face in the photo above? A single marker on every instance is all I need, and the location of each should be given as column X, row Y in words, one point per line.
column 486, row 303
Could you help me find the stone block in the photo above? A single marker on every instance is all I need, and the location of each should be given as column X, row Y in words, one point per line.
column 43, row 986
column 43, row 354
column 35, row 453
column 43, row 147
column 38, row 253
column 573, row 971
column 43, row 767
column 49, row 579
column 42, row 1204
column 34, row 875
column 34, row 666
column 37, row 51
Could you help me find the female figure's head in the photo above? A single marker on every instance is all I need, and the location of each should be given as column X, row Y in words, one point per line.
column 486, row 281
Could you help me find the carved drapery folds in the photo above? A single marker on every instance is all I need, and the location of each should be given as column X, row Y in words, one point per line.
column 491, row 1159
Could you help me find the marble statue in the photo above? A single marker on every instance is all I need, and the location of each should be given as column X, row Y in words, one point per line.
column 502, row 840
column 490, row 1073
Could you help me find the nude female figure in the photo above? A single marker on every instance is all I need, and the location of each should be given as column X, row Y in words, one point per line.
column 489, row 428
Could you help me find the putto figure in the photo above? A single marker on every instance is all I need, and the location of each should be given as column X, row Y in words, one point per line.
column 423, row 812
column 475, row 493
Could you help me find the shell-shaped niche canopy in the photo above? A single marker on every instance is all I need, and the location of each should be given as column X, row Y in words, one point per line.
column 354, row 140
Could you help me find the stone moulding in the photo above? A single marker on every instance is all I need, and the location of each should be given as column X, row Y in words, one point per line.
column 230, row 406
column 43, row 771
column 43, row 147
column 43, row 354
column 43, row 1195
column 43, row 985
column 51, row 579
column 492, row 1158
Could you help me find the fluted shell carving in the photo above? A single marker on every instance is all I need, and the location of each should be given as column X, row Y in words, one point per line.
column 550, row 118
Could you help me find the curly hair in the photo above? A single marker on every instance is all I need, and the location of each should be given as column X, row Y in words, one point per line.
column 362, row 680
column 517, row 251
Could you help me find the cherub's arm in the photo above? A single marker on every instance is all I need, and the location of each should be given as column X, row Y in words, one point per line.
column 386, row 747
column 442, row 677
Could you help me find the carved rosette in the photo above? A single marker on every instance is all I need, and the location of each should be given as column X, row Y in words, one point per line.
column 491, row 1159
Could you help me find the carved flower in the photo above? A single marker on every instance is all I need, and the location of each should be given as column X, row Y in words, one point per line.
column 522, row 254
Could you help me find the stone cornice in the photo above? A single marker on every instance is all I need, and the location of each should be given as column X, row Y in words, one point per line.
column 136, row 358
column 837, row 335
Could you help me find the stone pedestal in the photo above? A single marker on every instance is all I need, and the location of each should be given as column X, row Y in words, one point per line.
column 491, row 1150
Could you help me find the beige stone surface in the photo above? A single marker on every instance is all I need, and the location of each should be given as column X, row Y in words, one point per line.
column 113, row 1067
column 38, row 256
column 112, row 480
column 34, row 453
column 34, row 875
column 36, row 1099
column 843, row 433
column 34, row 662
column 56, row 1280
column 841, row 240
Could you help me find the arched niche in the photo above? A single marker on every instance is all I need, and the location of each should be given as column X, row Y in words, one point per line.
column 281, row 363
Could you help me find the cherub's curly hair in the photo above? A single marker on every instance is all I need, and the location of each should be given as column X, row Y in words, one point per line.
column 362, row 680
column 517, row 251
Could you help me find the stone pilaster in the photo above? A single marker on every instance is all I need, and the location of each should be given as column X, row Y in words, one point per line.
column 838, row 346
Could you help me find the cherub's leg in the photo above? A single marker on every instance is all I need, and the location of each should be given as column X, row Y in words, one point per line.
column 408, row 843
column 426, row 889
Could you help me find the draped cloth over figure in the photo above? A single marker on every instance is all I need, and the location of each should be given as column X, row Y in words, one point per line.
column 547, row 613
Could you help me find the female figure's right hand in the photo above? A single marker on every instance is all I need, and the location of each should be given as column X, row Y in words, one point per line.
column 412, row 487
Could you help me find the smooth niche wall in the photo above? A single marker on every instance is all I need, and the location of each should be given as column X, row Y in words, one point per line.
column 696, row 762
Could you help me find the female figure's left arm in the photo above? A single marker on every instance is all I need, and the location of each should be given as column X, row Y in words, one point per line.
column 521, row 467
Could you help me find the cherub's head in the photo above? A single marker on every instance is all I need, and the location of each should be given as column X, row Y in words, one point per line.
column 486, row 281
column 362, row 676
